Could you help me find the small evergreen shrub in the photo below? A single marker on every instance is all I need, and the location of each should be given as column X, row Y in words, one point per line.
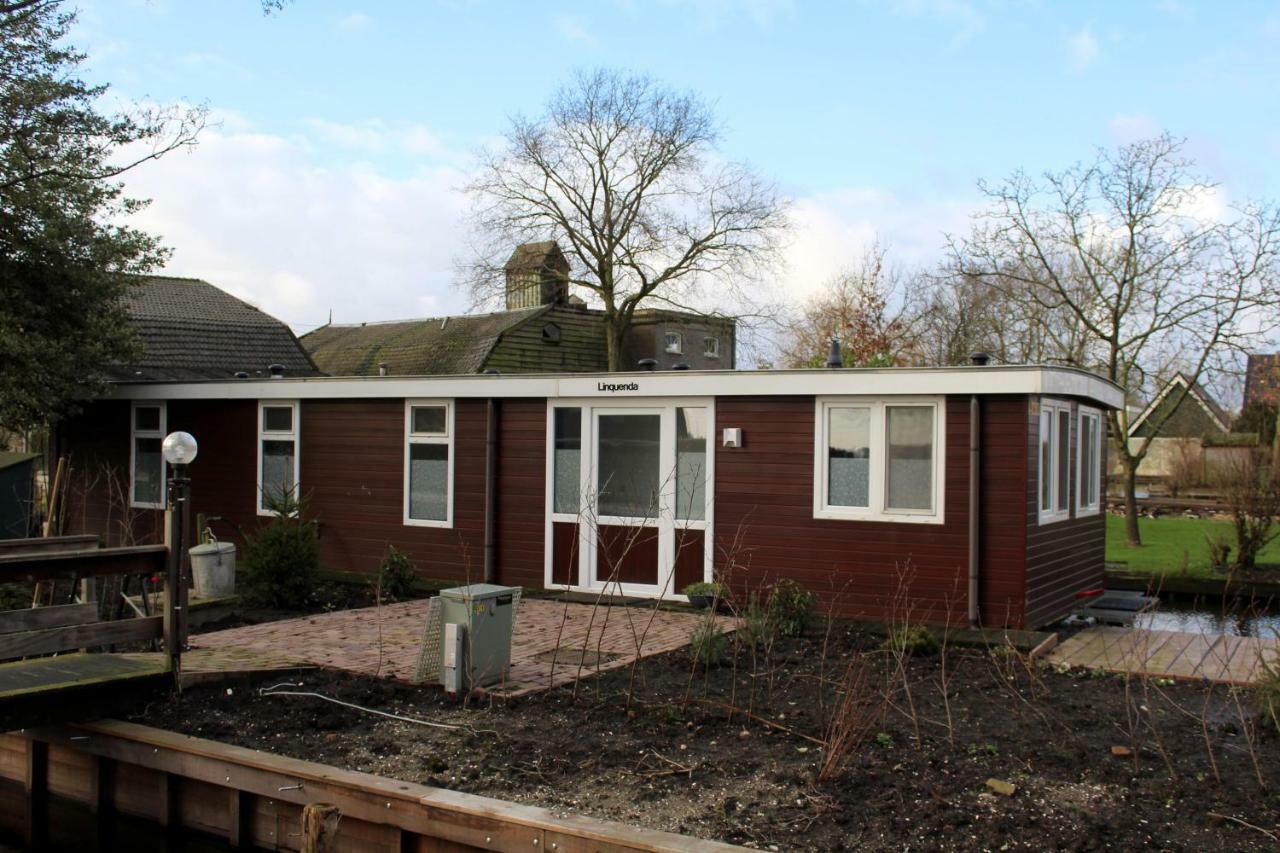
column 282, row 560
column 791, row 608
column 397, row 576
column 707, row 643
column 914, row 640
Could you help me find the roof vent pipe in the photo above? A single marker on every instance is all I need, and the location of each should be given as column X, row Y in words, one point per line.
column 240, row 374
column 680, row 366
column 649, row 364
column 382, row 368
column 980, row 359
column 833, row 355
column 276, row 371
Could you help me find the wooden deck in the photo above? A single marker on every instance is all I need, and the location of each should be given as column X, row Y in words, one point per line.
column 77, row 686
column 1218, row 658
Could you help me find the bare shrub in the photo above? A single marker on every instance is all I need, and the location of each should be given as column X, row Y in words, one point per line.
column 859, row 711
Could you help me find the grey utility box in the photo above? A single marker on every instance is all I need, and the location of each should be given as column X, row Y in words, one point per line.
column 485, row 614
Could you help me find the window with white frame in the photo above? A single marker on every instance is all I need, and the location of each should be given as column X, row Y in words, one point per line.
column 277, row 453
column 673, row 343
column 1055, row 461
column 146, row 462
column 711, row 347
column 1089, row 479
column 879, row 459
column 567, row 460
column 428, row 463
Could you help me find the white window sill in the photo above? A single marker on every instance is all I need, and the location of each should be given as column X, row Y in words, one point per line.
column 1087, row 511
column 1054, row 517
column 427, row 522
column 879, row 517
column 146, row 506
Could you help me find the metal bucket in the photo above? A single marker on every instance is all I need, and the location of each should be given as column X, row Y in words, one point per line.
column 213, row 569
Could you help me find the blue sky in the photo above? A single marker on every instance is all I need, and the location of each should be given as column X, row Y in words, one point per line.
column 345, row 128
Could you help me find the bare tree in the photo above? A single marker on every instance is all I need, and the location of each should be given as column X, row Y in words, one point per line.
column 862, row 308
column 1123, row 249
column 624, row 174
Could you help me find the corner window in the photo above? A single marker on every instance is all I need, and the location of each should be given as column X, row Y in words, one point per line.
column 711, row 347
column 1055, row 461
column 1089, row 478
column 277, row 453
column 428, row 463
column 879, row 460
column 567, row 461
column 146, row 463
column 691, row 464
column 673, row 343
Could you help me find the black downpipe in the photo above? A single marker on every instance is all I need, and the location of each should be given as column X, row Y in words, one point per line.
column 490, row 490
column 975, row 460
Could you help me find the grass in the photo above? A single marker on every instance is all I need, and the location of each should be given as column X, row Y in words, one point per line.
column 1170, row 544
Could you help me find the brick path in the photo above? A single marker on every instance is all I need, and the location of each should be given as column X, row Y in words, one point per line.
column 1174, row 654
column 384, row 642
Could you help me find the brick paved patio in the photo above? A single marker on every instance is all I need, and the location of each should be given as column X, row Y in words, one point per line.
column 383, row 642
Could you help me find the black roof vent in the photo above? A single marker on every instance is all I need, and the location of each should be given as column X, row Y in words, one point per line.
column 276, row 371
column 980, row 359
column 680, row 366
column 649, row 364
column 240, row 374
column 489, row 371
column 833, row 355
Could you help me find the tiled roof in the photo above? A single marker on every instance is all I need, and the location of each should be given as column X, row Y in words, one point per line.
column 431, row 347
column 192, row 330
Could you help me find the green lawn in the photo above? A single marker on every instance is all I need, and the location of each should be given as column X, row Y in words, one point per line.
column 1169, row 544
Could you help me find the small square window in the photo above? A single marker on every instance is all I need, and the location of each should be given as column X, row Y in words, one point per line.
column 674, row 343
column 711, row 347
column 146, row 418
column 429, row 420
column 277, row 418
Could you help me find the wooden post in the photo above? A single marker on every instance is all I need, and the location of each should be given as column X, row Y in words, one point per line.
column 320, row 828
column 101, row 799
column 240, row 824
column 36, row 829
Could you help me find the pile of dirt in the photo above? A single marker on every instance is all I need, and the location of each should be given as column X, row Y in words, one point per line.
column 1017, row 757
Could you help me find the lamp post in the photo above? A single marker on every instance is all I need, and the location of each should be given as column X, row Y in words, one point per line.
column 179, row 449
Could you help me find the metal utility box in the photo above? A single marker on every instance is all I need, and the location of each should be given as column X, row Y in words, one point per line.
column 486, row 614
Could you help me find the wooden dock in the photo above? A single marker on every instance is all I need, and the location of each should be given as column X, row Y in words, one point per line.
column 1219, row 658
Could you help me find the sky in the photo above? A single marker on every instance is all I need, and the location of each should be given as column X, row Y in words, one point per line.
column 329, row 183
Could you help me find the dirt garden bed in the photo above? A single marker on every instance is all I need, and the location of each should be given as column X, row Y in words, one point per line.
column 657, row 747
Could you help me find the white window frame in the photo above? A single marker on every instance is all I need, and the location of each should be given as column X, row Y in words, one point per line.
column 711, row 346
column 1058, row 444
column 1087, row 412
column 877, row 488
column 134, row 435
column 294, row 435
column 411, row 438
column 676, row 348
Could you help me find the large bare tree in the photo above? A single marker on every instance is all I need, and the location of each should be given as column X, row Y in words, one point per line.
column 1127, row 249
column 625, row 175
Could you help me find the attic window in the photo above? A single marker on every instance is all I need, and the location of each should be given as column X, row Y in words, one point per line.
column 551, row 333
column 673, row 343
column 711, row 347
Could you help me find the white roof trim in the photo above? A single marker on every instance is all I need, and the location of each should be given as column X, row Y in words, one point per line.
column 1178, row 379
column 1058, row 381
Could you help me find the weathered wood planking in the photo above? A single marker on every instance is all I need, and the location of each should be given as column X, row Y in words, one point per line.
column 57, row 616
column 50, row 640
column 48, row 544
column 256, row 798
column 1220, row 658
column 97, row 562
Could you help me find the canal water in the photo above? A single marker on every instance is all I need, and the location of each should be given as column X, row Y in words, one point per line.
column 1209, row 616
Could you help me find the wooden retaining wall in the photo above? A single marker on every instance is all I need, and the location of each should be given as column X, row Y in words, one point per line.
column 113, row 770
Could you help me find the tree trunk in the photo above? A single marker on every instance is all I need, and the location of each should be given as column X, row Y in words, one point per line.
column 1132, row 537
column 615, row 331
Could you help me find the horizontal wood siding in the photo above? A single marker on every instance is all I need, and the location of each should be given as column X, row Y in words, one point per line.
column 765, row 529
column 96, row 443
column 1002, row 539
column 1063, row 557
column 522, row 472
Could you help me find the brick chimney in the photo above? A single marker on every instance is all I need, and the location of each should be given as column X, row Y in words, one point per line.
column 537, row 274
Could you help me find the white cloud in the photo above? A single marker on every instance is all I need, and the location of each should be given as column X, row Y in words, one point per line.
column 961, row 16
column 1082, row 50
column 572, row 29
column 256, row 214
column 354, row 22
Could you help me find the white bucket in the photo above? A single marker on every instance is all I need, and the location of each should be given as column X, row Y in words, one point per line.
column 213, row 569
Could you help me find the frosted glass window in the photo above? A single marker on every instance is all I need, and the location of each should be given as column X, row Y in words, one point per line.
column 429, row 420
column 429, row 482
column 629, row 479
column 277, row 418
column 568, row 460
column 1090, row 461
column 277, row 470
column 849, row 457
column 148, row 471
column 909, row 436
column 1046, row 460
column 691, row 464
